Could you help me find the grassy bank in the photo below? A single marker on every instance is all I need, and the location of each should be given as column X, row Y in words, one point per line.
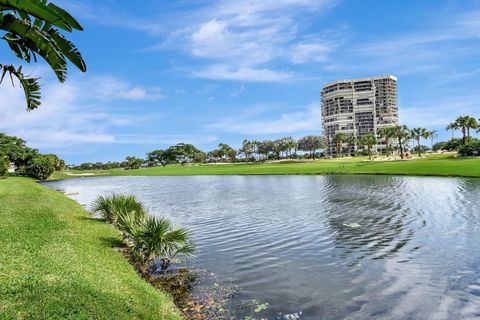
column 58, row 263
column 434, row 165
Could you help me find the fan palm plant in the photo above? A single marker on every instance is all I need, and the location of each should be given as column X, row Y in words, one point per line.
column 31, row 28
column 110, row 206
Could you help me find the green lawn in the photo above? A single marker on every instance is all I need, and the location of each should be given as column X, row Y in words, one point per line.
column 58, row 263
column 436, row 165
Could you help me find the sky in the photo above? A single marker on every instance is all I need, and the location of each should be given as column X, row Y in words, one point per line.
column 207, row 72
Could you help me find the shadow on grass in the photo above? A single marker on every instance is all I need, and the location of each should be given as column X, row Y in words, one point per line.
column 113, row 242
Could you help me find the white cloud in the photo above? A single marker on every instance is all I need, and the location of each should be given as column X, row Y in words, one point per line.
column 308, row 52
column 226, row 72
column 71, row 113
column 308, row 119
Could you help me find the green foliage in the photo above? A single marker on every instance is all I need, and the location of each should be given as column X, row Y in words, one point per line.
column 133, row 163
column 369, row 140
column 40, row 168
column 30, row 30
column 471, row 148
column 4, row 164
column 453, row 144
column 439, row 146
column 148, row 238
column 109, row 206
column 311, row 144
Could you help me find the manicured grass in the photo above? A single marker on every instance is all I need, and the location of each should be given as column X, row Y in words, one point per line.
column 58, row 263
column 434, row 165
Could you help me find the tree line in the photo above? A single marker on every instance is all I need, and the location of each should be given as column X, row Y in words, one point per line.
column 398, row 139
column 27, row 161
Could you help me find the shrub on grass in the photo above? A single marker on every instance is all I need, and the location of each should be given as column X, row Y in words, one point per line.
column 40, row 168
column 147, row 238
column 109, row 206
column 470, row 148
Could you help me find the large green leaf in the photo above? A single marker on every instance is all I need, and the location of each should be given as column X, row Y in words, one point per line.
column 47, row 12
column 31, row 37
column 30, row 86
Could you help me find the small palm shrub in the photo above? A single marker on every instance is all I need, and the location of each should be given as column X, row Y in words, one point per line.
column 147, row 238
column 109, row 206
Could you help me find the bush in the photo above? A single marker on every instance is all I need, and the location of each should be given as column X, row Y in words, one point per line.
column 109, row 206
column 439, row 146
column 148, row 238
column 470, row 148
column 3, row 166
column 40, row 168
column 453, row 144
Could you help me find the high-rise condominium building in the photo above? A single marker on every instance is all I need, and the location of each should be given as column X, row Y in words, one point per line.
column 359, row 106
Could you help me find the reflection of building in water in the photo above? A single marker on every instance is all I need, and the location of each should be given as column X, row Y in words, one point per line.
column 358, row 107
column 367, row 223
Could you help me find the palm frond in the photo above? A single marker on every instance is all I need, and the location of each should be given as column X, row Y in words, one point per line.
column 47, row 12
column 31, row 86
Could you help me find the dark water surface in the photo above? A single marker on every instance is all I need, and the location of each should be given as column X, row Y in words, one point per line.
column 334, row 247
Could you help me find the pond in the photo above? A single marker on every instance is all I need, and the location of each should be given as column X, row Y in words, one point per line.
column 333, row 247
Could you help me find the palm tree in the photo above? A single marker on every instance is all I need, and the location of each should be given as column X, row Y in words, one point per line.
column 338, row 139
column 452, row 128
column 432, row 134
column 351, row 141
column 402, row 134
column 369, row 140
column 464, row 123
column 31, row 29
column 387, row 134
column 417, row 134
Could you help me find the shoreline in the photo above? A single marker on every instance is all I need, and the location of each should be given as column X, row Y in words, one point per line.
column 444, row 165
column 58, row 260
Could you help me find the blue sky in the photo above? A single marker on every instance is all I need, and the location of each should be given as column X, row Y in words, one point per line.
column 206, row 72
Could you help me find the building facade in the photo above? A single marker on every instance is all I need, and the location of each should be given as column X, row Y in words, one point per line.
column 358, row 107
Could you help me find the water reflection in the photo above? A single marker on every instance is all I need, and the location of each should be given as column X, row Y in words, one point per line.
column 334, row 247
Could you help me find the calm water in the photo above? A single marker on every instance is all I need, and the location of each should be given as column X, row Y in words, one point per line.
column 292, row 241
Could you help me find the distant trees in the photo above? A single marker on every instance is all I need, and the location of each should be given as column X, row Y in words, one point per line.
column 339, row 139
column 464, row 124
column 387, row 134
column 311, row 144
column 133, row 163
column 417, row 134
column 369, row 140
column 4, row 164
column 402, row 134
column 28, row 161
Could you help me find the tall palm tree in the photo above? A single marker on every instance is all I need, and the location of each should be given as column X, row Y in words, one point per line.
column 369, row 140
column 417, row 134
column 451, row 127
column 464, row 123
column 387, row 134
column 31, row 29
column 402, row 134
column 432, row 134
column 338, row 139
column 351, row 141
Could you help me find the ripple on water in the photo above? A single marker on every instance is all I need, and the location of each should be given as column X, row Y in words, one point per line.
column 335, row 247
